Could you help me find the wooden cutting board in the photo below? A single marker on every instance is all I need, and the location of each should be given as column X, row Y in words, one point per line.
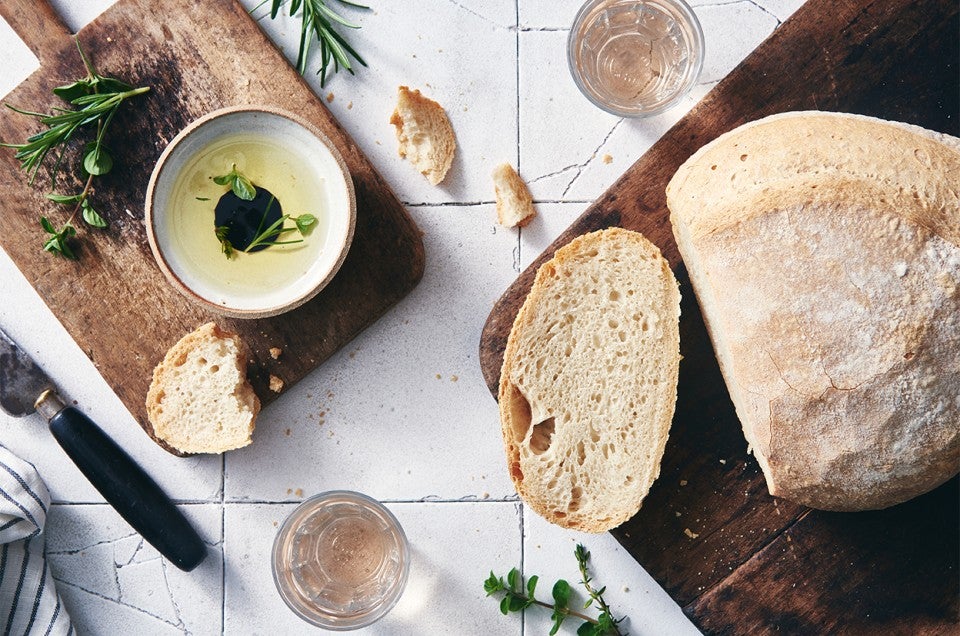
column 759, row 565
column 196, row 56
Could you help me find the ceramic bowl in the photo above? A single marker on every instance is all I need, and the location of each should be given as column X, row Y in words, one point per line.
column 277, row 151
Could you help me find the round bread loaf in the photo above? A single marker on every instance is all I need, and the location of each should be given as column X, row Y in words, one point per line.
column 589, row 380
column 824, row 250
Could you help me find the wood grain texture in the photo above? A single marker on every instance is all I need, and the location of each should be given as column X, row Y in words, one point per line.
column 196, row 57
column 758, row 565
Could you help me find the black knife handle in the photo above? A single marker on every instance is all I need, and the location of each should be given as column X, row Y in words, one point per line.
column 129, row 489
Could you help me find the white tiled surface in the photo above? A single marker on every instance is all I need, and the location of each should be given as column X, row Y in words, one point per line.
column 401, row 413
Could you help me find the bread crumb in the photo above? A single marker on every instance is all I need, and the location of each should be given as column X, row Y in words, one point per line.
column 439, row 377
column 275, row 524
column 275, row 352
column 689, row 533
column 329, row 97
column 485, row 495
column 683, row 482
column 454, row 378
column 287, row 432
column 626, row 589
column 350, row 106
column 298, row 492
column 289, row 490
column 514, row 203
column 607, row 159
column 723, row 461
column 276, row 384
column 678, row 514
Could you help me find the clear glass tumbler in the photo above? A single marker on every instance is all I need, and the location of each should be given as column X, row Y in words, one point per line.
column 341, row 560
column 635, row 58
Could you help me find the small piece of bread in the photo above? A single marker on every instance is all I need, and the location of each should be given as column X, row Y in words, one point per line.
column 589, row 380
column 514, row 203
column 200, row 400
column 425, row 134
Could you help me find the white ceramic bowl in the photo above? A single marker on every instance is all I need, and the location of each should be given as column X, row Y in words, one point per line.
column 277, row 151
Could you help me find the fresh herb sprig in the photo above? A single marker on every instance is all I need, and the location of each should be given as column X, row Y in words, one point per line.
column 317, row 19
column 94, row 100
column 243, row 188
column 518, row 596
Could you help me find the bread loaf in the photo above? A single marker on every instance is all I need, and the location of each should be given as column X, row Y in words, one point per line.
column 589, row 380
column 200, row 400
column 424, row 133
column 824, row 250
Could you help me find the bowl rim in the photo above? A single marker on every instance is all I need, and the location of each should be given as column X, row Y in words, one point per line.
column 150, row 217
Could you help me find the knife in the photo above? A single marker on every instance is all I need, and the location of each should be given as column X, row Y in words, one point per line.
column 25, row 388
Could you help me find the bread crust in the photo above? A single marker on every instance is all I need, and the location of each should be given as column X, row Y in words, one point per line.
column 827, row 267
column 615, row 456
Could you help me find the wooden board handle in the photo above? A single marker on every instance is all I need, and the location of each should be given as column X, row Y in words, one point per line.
column 37, row 24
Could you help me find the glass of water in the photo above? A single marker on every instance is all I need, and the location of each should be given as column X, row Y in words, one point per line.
column 341, row 560
column 635, row 58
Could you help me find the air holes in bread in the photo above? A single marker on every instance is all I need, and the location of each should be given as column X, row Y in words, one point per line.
column 542, row 435
column 520, row 417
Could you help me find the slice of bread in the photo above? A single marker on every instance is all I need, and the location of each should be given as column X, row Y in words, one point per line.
column 589, row 380
column 200, row 400
column 514, row 203
column 425, row 134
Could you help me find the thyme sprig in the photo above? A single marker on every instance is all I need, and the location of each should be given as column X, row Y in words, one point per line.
column 93, row 100
column 243, row 188
column 518, row 596
column 318, row 20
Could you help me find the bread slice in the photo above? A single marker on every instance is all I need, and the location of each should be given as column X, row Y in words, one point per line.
column 514, row 203
column 425, row 134
column 200, row 400
column 824, row 250
column 589, row 380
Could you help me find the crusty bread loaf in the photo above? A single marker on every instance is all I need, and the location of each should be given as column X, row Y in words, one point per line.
column 514, row 203
column 824, row 250
column 425, row 134
column 589, row 380
column 200, row 400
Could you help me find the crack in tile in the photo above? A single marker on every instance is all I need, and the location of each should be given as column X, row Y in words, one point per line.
column 90, row 546
column 732, row 2
column 482, row 17
column 596, row 151
column 176, row 608
column 114, row 600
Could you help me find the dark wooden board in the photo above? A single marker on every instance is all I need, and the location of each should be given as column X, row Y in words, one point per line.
column 197, row 56
column 759, row 565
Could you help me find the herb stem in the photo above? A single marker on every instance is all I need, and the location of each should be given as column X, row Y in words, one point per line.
column 567, row 611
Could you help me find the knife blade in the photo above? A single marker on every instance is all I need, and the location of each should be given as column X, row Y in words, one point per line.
column 21, row 380
column 25, row 388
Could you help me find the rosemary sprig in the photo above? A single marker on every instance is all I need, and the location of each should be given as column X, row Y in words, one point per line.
column 318, row 20
column 517, row 597
column 94, row 100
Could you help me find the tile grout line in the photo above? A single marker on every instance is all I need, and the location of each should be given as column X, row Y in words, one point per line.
column 516, row 6
column 223, row 541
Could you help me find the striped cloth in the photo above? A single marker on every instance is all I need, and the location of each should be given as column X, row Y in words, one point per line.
column 29, row 603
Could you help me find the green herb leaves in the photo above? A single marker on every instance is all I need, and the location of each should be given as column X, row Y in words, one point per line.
column 93, row 101
column 318, row 20
column 241, row 186
column 268, row 233
column 56, row 242
column 518, row 597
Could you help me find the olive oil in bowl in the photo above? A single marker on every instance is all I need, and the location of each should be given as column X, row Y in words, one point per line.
column 292, row 164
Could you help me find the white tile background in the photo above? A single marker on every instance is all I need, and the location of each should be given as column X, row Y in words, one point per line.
column 402, row 412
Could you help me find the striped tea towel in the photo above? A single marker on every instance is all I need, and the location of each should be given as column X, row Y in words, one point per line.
column 29, row 603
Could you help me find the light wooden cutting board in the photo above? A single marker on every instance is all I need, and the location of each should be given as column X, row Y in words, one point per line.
column 114, row 301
